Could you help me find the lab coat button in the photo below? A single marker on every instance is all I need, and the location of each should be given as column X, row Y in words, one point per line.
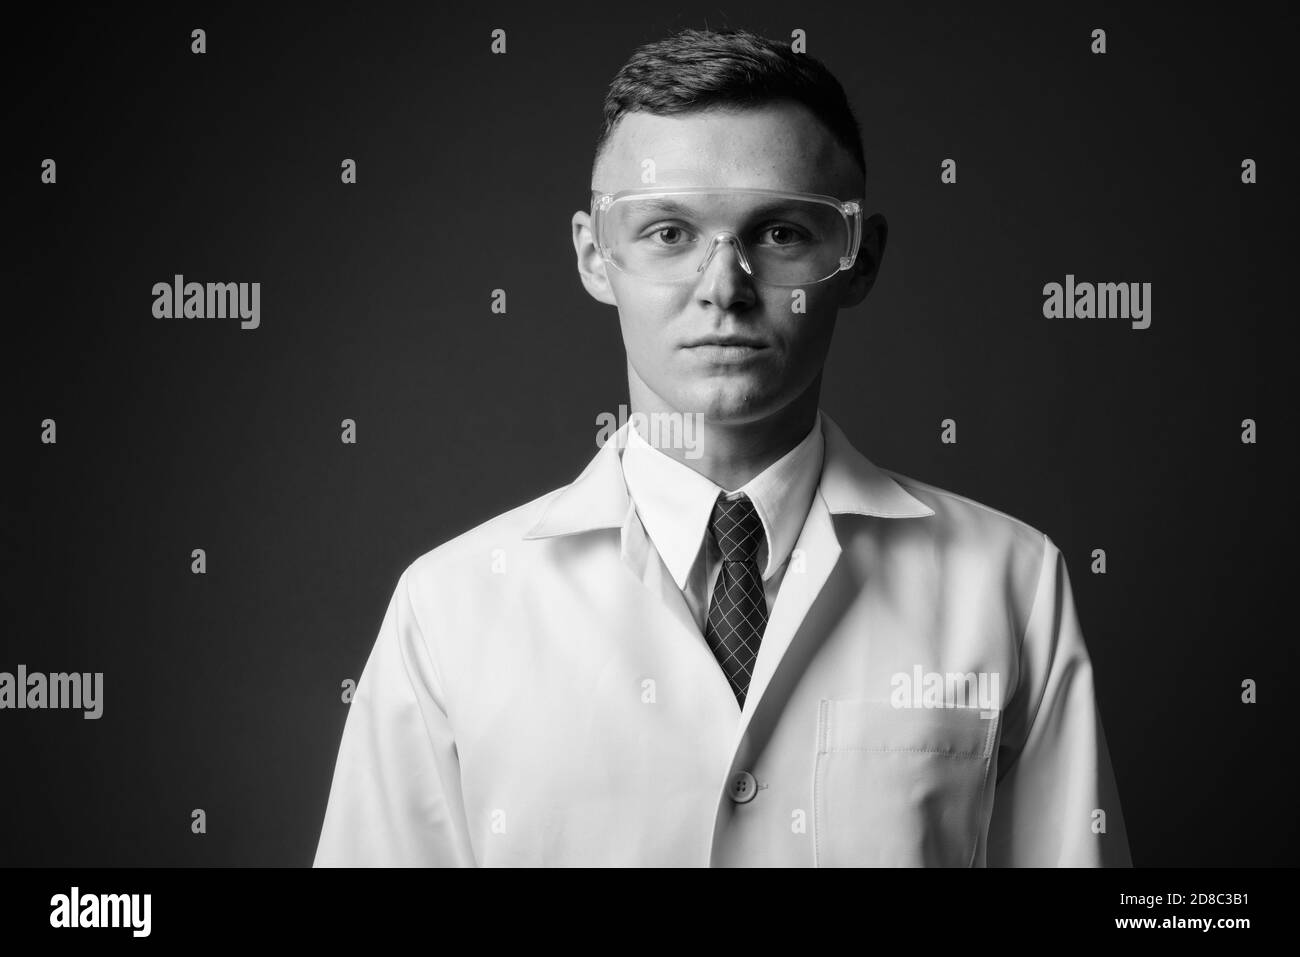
column 743, row 787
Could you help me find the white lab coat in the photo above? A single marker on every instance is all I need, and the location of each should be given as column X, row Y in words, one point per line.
column 539, row 695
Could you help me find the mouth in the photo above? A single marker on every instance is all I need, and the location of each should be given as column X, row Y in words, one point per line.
column 718, row 352
column 728, row 342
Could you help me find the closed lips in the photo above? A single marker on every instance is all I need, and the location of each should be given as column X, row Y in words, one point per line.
column 727, row 341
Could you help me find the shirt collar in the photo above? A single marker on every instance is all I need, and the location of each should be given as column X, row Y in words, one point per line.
column 675, row 502
column 599, row 498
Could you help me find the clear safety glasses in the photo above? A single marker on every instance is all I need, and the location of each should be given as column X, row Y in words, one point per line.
column 779, row 238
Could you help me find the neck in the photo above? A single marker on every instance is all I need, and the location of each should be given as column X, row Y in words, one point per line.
column 730, row 454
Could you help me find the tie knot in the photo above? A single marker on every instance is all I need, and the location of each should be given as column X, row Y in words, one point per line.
column 736, row 528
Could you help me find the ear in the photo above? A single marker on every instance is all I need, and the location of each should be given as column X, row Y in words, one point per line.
column 591, row 267
column 875, row 230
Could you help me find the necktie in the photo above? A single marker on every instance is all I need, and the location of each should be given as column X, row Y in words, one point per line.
column 738, row 612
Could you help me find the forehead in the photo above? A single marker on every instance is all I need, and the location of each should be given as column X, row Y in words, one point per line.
column 774, row 146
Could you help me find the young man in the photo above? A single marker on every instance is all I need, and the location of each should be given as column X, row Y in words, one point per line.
column 756, row 647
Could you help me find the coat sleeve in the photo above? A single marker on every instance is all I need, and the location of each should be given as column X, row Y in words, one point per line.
column 395, row 798
column 1056, row 789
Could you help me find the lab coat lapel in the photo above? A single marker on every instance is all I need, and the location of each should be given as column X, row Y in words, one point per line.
column 850, row 484
column 814, row 557
column 598, row 499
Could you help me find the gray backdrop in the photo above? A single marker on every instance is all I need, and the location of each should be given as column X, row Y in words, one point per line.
column 222, row 691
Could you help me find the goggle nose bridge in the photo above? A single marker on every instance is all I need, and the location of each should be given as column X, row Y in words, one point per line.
column 725, row 235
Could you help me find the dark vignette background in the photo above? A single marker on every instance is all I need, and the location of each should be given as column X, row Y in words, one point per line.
column 222, row 691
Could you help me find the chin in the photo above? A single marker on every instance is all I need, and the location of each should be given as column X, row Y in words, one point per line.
column 731, row 404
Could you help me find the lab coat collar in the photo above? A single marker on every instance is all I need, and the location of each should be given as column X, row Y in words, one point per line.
column 676, row 504
column 598, row 498
column 850, row 484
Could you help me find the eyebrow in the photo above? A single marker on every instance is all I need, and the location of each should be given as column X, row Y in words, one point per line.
column 660, row 205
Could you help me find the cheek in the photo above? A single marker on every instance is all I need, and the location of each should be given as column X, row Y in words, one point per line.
column 821, row 302
column 806, row 333
column 647, row 316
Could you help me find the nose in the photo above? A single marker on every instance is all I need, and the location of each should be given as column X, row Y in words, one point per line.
column 725, row 270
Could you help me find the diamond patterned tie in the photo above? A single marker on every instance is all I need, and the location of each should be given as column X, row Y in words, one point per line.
column 738, row 612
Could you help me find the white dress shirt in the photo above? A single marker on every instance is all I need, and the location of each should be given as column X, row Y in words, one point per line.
column 540, row 693
column 675, row 504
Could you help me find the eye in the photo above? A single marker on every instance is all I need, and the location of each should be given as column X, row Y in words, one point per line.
column 669, row 235
column 783, row 234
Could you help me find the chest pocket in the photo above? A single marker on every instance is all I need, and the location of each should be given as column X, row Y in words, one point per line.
column 899, row 787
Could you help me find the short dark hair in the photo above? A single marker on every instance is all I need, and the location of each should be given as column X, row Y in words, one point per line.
column 728, row 68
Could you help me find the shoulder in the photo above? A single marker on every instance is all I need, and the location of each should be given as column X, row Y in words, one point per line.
column 965, row 513
column 963, row 524
column 481, row 550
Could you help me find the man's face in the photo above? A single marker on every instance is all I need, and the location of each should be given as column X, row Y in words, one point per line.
column 723, row 343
